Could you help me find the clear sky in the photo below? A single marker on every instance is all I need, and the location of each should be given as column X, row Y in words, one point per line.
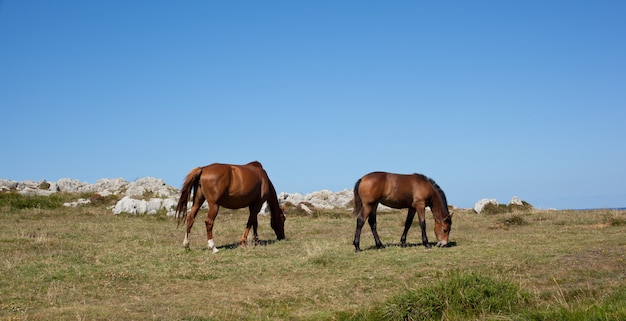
column 491, row 99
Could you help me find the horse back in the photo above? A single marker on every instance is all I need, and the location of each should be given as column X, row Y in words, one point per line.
column 394, row 190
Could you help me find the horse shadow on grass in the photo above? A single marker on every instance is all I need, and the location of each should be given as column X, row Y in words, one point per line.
column 433, row 245
column 237, row 245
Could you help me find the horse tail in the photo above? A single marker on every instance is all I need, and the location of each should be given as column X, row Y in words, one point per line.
column 358, row 203
column 192, row 181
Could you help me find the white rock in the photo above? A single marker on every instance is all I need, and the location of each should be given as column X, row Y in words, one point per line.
column 129, row 205
column 70, row 185
column 169, row 204
column 478, row 207
column 516, row 201
column 153, row 206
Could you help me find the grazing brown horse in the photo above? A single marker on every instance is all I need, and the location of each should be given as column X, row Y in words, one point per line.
column 414, row 192
column 231, row 186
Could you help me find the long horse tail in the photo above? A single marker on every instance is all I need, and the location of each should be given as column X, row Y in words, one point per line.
column 358, row 203
column 192, row 182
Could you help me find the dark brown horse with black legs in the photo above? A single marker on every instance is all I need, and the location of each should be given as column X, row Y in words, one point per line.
column 230, row 186
column 414, row 192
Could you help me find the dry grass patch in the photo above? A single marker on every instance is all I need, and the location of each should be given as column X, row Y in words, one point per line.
column 86, row 263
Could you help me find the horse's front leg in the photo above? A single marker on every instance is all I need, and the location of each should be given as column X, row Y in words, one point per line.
column 407, row 225
column 254, row 230
column 253, row 223
column 210, row 220
column 421, row 214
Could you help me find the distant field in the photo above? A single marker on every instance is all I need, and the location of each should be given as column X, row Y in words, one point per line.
column 87, row 264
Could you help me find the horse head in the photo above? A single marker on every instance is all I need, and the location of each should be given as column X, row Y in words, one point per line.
column 277, row 222
column 442, row 230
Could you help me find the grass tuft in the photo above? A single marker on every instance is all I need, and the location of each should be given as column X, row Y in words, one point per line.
column 610, row 309
column 615, row 218
column 456, row 296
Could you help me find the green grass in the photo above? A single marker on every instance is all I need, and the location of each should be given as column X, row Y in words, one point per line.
column 86, row 263
column 17, row 201
column 456, row 295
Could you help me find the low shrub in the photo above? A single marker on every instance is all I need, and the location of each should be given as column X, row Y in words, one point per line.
column 19, row 201
column 493, row 209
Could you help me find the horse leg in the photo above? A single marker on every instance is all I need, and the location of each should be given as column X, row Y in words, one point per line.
column 372, row 221
column 252, row 222
column 210, row 220
column 360, row 221
column 421, row 214
column 407, row 225
column 192, row 216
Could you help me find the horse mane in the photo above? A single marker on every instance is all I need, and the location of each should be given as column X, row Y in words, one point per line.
column 443, row 202
column 272, row 200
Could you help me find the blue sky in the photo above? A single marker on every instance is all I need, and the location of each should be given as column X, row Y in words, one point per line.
column 489, row 98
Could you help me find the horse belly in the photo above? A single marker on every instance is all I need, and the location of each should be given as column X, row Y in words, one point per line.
column 394, row 203
column 235, row 202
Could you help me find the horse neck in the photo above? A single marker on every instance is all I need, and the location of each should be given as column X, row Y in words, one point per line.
column 440, row 204
column 272, row 201
column 440, row 209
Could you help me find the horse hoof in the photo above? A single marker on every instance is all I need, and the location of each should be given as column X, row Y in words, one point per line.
column 428, row 246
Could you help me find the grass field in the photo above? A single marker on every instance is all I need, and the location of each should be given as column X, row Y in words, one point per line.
column 85, row 263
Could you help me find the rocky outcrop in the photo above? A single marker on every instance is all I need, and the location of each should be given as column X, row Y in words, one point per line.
column 162, row 196
column 323, row 199
column 151, row 195
column 104, row 187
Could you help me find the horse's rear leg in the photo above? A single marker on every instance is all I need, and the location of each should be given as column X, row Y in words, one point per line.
column 191, row 217
column 360, row 221
column 368, row 212
column 210, row 220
